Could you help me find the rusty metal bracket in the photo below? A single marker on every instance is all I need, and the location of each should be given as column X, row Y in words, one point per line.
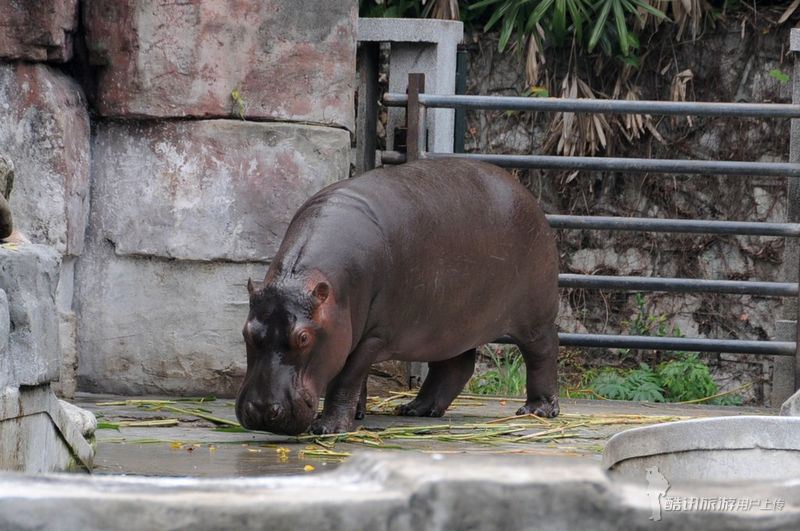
column 415, row 119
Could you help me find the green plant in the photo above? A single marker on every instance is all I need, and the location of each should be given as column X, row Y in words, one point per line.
column 686, row 378
column 505, row 378
column 681, row 379
column 780, row 76
column 586, row 22
column 645, row 323
column 610, row 384
column 640, row 384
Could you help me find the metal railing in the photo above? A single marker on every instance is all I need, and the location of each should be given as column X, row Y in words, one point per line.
column 416, row 102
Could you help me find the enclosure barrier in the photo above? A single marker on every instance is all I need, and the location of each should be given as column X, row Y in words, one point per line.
column 416, row 102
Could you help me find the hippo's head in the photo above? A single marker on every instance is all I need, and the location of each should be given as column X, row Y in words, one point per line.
column 297, row 342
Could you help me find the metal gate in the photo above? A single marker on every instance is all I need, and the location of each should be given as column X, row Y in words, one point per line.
column 416, row 103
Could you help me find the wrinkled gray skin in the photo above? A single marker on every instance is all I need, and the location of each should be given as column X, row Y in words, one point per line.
column 419, row 262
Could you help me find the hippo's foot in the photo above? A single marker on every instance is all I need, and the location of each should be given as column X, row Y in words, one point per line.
column 545, row 406
column 325, row 425
column 420, row 408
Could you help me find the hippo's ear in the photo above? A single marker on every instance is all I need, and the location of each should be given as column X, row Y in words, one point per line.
column 321, row 292
column 253, row 287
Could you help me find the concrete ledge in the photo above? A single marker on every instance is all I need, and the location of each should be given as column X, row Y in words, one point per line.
column 39, row 433
column 794, row 40
column 410, row 30
column 387, row 491
column 743, row 448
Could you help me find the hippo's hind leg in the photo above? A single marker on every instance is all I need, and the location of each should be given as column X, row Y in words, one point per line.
column 540, row 351
column 444, row 381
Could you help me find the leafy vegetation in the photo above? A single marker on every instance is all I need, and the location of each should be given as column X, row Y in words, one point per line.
column 590, row 49
column 506, row 377
column 683, row 379
column 615, row 26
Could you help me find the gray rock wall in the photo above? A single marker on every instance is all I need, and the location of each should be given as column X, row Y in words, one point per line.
column 44, row 130
column 189, row 197
column 184, row 212
column 37, row 30
column 211, row 189
column 288, row 60
column 44, row 133
column 154, row 325
column 29, row 341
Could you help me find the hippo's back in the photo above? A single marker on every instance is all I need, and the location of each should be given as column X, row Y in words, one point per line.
column 466, row 243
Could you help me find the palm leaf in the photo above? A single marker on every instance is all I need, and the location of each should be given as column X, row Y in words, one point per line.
column 622, row 27
column 597, row 31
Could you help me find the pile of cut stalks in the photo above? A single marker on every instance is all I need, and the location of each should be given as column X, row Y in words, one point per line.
column 500, row 435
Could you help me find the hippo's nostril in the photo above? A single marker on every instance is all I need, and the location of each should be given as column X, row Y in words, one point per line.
column 273, row 411
column 250, row 411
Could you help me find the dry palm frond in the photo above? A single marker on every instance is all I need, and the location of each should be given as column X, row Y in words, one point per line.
column 789, row 11
column 677, row 91
column 535, row 58
column 632, row 126
column 687, row 14
column 573, row 134
column 443, row 9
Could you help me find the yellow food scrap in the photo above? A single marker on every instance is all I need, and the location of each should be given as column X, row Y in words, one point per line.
column 176, row 445
column 308, row 468
column 283, row 454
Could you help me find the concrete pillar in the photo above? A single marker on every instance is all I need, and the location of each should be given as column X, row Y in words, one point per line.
column 419, row 46
column 784, row 375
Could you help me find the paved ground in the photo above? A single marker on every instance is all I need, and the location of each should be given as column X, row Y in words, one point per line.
column 191, row 446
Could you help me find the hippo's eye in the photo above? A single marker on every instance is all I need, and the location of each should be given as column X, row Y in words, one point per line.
column 302, row 339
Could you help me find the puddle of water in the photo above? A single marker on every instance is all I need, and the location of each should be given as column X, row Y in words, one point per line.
column 161, row 459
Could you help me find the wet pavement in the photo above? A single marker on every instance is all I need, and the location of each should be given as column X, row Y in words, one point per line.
column 187, row 445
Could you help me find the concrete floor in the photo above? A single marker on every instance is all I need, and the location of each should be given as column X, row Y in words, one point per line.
column 193, row 448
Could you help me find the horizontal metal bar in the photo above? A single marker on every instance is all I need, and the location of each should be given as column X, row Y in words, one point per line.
column 695, row 226
column 685, row 344
column 681, row 108
column 777, row 348
column 699, row 167
column 393, row 157
column 679, row 285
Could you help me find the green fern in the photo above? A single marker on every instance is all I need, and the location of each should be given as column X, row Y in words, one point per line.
column 609, row 384
column 686, row 378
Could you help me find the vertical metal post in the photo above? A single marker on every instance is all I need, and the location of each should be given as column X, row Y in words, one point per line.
column 460, row 125
column 367, row 108
column 793, row 195
column 415, row 118
column 415, row 146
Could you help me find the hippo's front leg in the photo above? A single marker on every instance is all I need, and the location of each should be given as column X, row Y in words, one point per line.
column 342, row 396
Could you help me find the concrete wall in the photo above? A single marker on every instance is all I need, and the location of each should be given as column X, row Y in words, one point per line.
column 209, row 126
column 391, row 492
column 45, row 133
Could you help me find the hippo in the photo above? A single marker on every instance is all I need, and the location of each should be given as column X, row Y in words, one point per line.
column 423, row 262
